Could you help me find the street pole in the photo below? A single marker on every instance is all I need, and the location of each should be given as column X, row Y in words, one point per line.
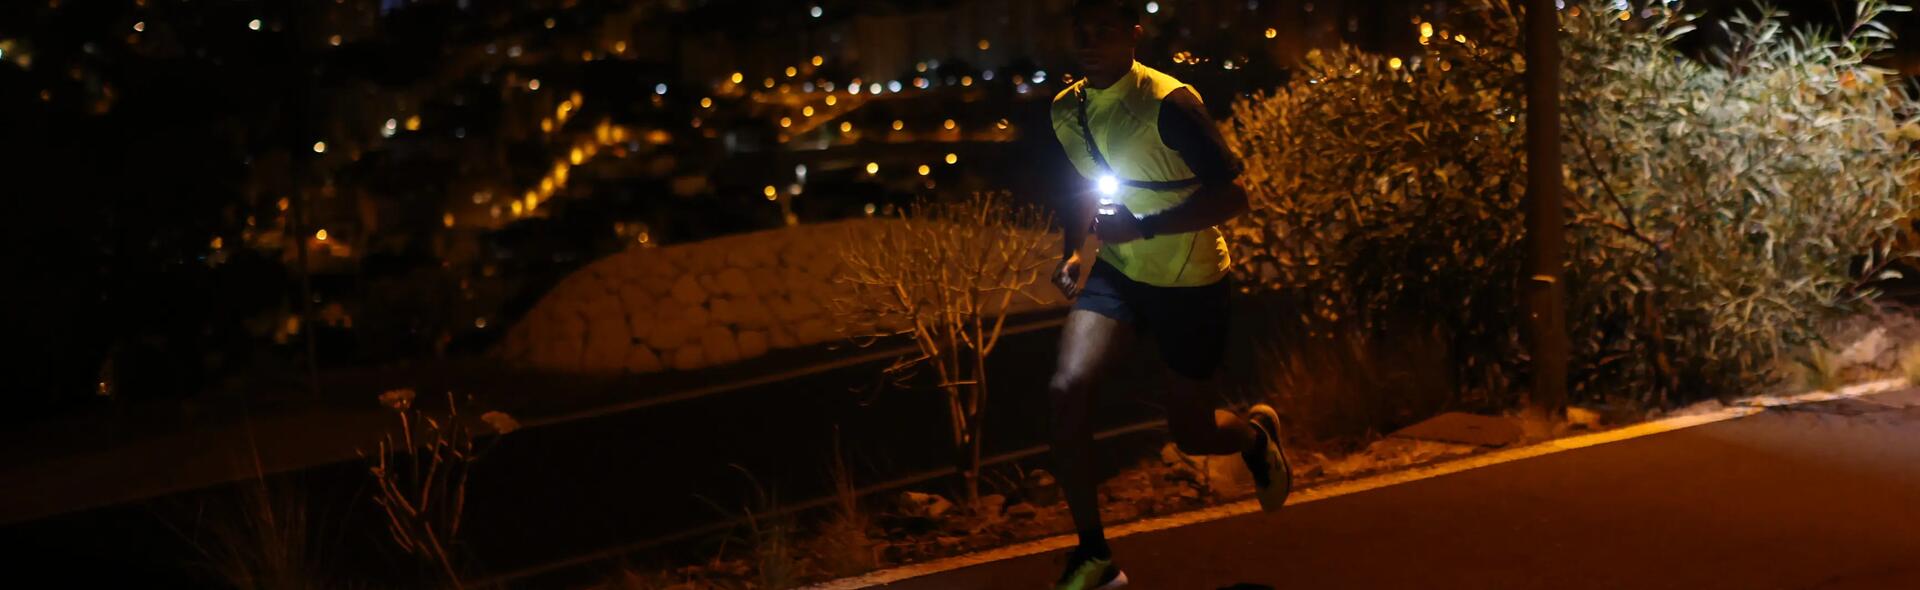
column 300, row 160
column 1546, row 227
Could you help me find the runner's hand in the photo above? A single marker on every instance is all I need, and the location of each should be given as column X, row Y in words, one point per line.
column 1117, row 228
column 1066, row 276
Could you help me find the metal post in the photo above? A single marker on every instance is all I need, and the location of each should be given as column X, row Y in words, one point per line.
column 300, row 138
column 1546, row 228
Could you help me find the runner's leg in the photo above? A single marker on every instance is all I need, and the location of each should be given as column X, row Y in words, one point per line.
column 1198, row 427
column 1087, row 342
column 1190, row 325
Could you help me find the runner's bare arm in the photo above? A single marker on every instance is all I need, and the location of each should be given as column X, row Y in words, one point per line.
column 1075, row 219
column 1075, row 210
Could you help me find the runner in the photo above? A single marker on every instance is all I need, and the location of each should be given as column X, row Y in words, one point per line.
column 1162, row 181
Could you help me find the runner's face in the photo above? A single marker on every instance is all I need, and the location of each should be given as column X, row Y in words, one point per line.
column 1103, row 45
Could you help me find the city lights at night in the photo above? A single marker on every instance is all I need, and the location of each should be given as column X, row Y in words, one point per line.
column 950, row 294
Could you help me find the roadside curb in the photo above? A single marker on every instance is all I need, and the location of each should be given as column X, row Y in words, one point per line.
column 1741, row 409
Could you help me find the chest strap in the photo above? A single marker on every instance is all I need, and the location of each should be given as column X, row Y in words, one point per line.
column 1086, row 133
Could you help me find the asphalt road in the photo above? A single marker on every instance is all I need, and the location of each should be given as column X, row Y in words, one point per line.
column 1822, row 496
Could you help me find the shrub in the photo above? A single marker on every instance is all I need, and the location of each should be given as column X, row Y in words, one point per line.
column 1719, row 208
column 1724, row 207
column 1387, row 192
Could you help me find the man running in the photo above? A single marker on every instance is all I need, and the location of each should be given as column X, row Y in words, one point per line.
column 1161, row 183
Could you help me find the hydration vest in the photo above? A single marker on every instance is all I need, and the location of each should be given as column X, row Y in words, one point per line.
column 1123, row 122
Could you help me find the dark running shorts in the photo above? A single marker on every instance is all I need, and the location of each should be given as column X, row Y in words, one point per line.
column 1188, row 324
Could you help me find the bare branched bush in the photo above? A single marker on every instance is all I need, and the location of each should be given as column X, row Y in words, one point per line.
column 946, row 275
column 421, row 479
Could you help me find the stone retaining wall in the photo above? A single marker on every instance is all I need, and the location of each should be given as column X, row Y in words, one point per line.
column 696, row 305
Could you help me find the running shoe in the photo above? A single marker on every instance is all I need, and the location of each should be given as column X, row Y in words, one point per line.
column 1272, row 476
column 1086, row 572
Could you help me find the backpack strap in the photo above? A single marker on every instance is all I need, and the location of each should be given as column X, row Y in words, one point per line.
column 1086, row 133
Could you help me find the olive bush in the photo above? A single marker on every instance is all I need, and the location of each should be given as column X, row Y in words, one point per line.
column 1725, row 206
column 1720, row 206
column 1385, row 187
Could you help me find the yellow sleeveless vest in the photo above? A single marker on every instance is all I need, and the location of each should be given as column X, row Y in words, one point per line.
column 1125, row 122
